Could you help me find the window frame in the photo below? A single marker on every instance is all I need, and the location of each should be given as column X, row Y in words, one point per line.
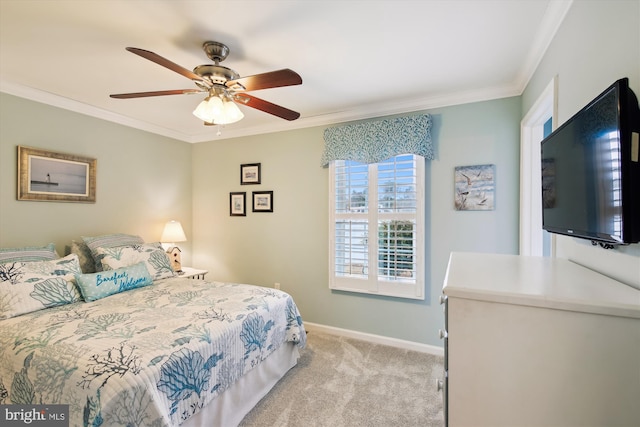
column 373, row 284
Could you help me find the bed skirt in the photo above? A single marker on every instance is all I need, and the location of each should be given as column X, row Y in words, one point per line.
column 230, row 408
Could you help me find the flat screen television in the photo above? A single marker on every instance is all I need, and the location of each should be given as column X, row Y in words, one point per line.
column 591, row 171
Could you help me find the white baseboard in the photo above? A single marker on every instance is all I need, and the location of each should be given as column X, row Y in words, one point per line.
column 377, row 339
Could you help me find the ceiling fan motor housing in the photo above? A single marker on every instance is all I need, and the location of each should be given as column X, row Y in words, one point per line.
column 216, row 74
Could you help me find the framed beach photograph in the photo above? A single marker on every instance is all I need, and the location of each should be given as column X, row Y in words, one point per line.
column 475, row 188
column 237, row 204
column 262, row 201
column 250, row 174
column 55, row 177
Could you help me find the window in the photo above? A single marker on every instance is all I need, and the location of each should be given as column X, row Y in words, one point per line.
column 377, row 226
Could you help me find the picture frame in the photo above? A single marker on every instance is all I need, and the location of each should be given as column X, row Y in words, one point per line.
column 237, row 204
column 250, row 174
column 51, row 176
column 262, row 201
column 475, row 188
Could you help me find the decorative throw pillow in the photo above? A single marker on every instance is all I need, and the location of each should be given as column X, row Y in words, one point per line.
column 154, row 257
column 28, row 253
column 109, row 241
column 104, row 283
column 87, row 265
column 33, row 286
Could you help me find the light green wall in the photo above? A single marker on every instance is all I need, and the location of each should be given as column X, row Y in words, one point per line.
column 598, row 43
column 289, row 246
column 143, row 180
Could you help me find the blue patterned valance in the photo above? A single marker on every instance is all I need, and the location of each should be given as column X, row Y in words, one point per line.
column 378, row 140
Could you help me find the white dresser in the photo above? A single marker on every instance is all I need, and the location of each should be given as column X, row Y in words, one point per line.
column 538, row 342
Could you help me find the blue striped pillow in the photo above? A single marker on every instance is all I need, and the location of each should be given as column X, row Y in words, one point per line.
column 28, row 254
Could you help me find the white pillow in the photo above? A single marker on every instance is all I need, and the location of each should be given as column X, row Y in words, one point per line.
column 109, row 241
column 33, row 286
column 155, row 258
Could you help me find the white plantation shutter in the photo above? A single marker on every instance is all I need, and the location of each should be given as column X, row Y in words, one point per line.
column 377, row 226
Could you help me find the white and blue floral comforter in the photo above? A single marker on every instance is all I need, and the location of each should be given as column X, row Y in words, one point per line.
column 151, row 356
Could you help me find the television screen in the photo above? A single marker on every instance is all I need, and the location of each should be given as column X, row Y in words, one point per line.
column 583, row 170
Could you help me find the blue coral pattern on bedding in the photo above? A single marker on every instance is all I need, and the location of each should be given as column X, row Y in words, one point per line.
column 151, row 356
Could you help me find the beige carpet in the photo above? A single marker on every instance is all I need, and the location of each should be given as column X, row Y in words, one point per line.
column 342, row 382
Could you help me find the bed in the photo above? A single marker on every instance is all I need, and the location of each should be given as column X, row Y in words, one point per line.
column 162, row 352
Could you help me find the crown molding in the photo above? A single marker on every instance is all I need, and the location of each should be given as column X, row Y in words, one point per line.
column 549, row 26
column 54, row 100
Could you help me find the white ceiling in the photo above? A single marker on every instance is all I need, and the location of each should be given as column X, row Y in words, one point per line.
column 358, row 59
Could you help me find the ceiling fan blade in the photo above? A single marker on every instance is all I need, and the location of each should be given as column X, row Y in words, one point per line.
column 155, row 93
column 284, row 77
column 266, row 106
column 165, row 63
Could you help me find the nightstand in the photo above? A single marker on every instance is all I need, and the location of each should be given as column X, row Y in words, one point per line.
column 192, row 273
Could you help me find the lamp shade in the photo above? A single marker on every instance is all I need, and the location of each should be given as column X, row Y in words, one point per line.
column 232, row 112
column 209, row 109
column 173, row 233
column 218, row 111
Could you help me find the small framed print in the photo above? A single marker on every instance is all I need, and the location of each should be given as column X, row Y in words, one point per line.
column 262, row 201
column 55, row 177
column 250, row 174
column 475, row 188
column 237, row 204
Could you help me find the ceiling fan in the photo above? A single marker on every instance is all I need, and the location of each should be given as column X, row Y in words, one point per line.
column 223, row 85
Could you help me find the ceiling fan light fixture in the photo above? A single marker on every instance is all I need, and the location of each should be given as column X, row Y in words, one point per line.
column 215, row 110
